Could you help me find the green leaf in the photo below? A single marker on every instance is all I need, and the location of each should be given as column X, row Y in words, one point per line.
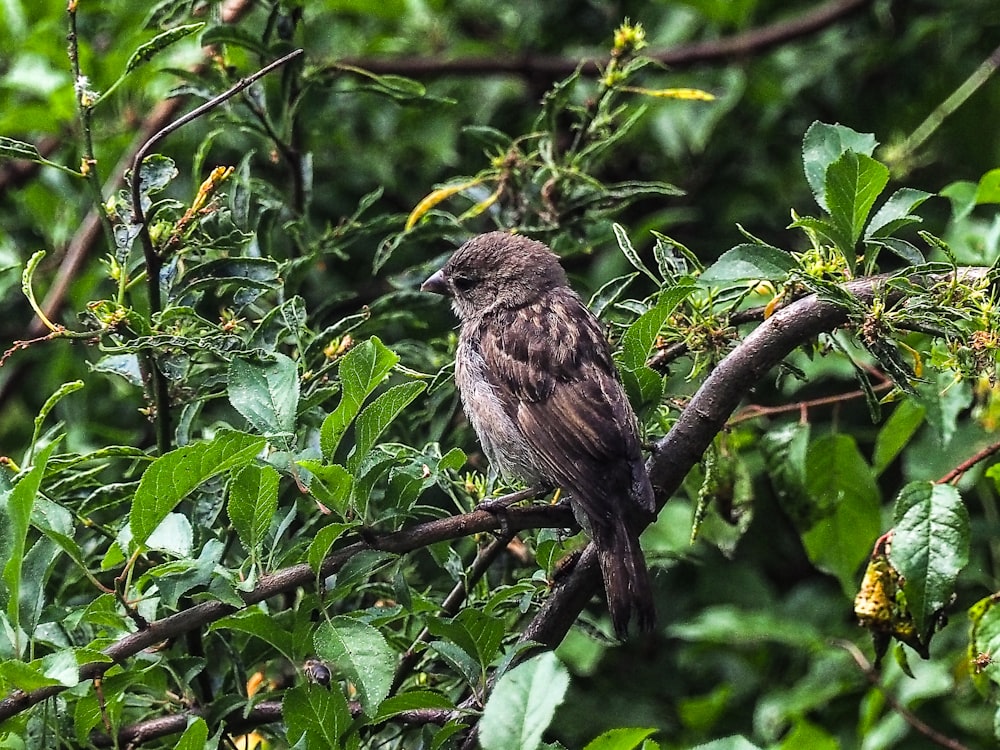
column 64, row 390
column 361, row 370
column 145, row 52
column 155, row 173
column 962, row 196
column 728, row 625
column 376, row 417
column 195, row 736
column 266, row 394
column 322, row 542
column 902, row 249
column 620, row 739
column 523, row 703
column 896, row 433
column 460, row 660
column 750, row 262
column 822, row 145
column 639, row 337
column 476, row 633
column 18, row 675
column 629, row 252
column 173, row 534
column 728, row 743
column 988, row 189
column 319, row 715
column 11, row 148
column 170, row 478
column 410, row 701
column 331, row 484
column 896, row 213
column 930, row 546
column 260, row 625
column 15, row 514
column 853, row 183
column 842, row 486
column 361, row 653
column 253, row 501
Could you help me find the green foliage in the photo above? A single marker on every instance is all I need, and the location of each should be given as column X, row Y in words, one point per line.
column 244, row 476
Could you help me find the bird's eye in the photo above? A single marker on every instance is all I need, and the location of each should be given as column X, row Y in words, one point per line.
column 463, row 283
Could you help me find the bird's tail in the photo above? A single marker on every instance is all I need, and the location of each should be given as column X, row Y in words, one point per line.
column 626, row 579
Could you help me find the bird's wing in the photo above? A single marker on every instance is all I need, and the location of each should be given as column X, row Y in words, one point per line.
column 552, row 368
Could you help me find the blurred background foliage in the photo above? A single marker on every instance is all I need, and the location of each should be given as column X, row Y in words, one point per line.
column 329, row 162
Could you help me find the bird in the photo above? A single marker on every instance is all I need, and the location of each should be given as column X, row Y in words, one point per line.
column 538, row 384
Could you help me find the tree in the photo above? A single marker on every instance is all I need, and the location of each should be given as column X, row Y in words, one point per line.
column 241, row 500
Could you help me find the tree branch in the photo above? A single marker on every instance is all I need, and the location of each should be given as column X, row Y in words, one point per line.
column 289, row 579
column 753, row 42
column 705, row 415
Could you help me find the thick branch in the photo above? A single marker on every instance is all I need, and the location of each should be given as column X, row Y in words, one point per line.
column 753, row 42
column 703, row 418
column 289, row 579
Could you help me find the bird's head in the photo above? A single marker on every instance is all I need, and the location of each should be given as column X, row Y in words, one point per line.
column 496, row 270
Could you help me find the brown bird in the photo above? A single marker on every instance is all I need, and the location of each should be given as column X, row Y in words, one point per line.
column 540, row 388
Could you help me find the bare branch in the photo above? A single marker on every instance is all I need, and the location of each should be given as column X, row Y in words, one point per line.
column 753, row 42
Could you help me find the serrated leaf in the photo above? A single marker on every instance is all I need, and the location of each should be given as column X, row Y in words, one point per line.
column 377, row 416
column 822, row 145
column 322, row 542
column 640, row 336
column 460, row 660
column 896, row 213
column 523, row 703
column 171, row 477
column 930, row 546
column 610, row 293
column 253, row 501
column 319, row 715
column 265, row 393
column 902, row 249
column 195, row 735
column 841, row 484
column 361, row 370
column 155, row 173
column 173, row 534
column 853, row 183
column 19, row 675
column 750, row 262
column 331, row 484
column 263, row 626
column 361, row 653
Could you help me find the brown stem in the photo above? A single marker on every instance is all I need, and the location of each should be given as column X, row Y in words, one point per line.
column 748, row 43
column 873, row 677
column 288, row 579
column 955, row 474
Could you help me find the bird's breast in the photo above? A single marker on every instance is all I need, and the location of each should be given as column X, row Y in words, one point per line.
column 503, row 441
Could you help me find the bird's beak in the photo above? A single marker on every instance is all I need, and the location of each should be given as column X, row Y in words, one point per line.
column 435, row 284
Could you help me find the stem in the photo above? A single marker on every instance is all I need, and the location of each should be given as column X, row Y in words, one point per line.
column 946, row 108
column 85, row 110
column 154, row 262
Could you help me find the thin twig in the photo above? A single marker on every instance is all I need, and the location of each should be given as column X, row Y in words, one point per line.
column 956, row 474
column 154, row 262
column 753, row 42
column 754, row 411
column 873, row 677
column 451, row 605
